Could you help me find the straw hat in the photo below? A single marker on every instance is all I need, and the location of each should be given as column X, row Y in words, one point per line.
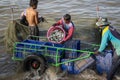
column 102, row 22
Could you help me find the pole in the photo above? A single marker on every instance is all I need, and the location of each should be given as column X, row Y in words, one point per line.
column 12, row 13
column 97, row 9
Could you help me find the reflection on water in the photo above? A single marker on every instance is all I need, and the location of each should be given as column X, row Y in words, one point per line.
column 83, row 13
column 7, row 66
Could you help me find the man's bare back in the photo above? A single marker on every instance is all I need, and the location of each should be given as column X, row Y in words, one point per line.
column 32, row 16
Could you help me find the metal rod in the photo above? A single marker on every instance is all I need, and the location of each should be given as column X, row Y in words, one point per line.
column 12, row 13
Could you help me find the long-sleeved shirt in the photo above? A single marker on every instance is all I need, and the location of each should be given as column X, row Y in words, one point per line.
column 69, row 28
column 108, row 36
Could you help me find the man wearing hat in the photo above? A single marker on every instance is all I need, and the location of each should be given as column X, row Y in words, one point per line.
column 109, row 34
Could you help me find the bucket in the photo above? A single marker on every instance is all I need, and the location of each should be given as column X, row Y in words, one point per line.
column 56, row 34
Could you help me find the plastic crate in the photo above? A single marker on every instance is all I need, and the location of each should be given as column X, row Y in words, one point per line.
column 74, row 45
column 77, row 66
column 27, row 47
column 69, row 67
column 51, row 52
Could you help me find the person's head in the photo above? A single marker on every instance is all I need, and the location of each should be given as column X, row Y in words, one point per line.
column 33, row 3
column 67, row 18
column 102, row 22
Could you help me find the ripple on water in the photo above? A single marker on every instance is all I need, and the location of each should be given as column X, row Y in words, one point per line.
column 7, row 65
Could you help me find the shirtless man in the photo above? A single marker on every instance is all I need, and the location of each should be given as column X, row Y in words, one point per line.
column 32, row 18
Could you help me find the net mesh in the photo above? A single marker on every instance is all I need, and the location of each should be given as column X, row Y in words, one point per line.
column 15, row 32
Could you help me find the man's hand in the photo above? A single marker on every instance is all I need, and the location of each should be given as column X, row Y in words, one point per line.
column 41, row 19
column 64, row 40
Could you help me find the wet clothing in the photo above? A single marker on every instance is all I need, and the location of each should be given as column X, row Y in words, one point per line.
column 34, row 31
column 108, row 35
column 69, row 28
column 23, row 19
column 24, row 12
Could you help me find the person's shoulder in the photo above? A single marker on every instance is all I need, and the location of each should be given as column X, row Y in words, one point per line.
column 27, row 10
column 61, row 20
column 71, row 24
column 35, row 12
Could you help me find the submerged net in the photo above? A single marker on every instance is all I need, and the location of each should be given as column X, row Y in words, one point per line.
column 15, row 32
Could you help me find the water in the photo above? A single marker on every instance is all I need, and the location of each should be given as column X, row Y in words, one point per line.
column 82, row 11
column 57, row 8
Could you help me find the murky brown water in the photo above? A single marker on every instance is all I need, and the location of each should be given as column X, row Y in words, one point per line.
column 83, row 12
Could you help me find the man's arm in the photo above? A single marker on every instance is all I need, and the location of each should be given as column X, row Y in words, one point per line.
column 58, row 23
column 70, row 33
column 36, row 18
column 104, row 41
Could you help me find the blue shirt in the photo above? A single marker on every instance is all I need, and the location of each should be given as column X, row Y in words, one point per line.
column 108, row 36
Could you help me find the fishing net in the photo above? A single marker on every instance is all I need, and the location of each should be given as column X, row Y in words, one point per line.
column 15, row 32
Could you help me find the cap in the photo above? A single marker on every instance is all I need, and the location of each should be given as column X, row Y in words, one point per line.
column 102, row 22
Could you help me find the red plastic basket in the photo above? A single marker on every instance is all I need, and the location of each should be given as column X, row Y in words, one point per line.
column 51, row 30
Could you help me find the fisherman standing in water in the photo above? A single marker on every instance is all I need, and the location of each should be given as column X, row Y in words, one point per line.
column 67, row 25
column 110, row 34
column 29, row 17
column 32, row 18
